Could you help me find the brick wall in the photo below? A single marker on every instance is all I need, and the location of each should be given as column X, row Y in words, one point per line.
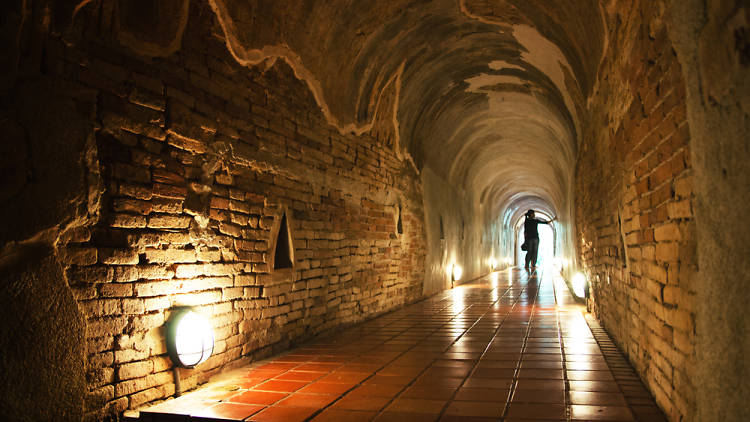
column 198, row 158
column 634, row 211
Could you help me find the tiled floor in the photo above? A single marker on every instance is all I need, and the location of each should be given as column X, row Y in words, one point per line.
column 511, row 346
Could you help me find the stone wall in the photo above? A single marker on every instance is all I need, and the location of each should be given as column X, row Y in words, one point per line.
column 634, row 213
column 183, row 169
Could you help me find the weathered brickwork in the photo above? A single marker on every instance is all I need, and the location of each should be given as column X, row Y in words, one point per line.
column 199, row 158
column 635, row 205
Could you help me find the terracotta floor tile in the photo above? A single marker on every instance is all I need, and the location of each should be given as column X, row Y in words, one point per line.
column 247, row 383
column 594, row 386
column 555, row 350
column 344, row 377
column 590, row 376
column 447, row 372
column 474, row 382
column 317, row 367
column 283, row 414
column 406, row 417
column 549, row 374
column 300, row 376
column 586, row 366
column 408, row 405
column 326, row 388
column 263, row 373
column 608, row 413
column 539, row 396
column 534, row 384
column 359, row 368
column 453, row 363
column 436, row 393
column 257, row 397
column 438, row 381
column 455, row 418
column 388, row 380
column 543, row 357
column 338, row 359
column 590, row 398
column 276, row 366
column 504, row 364
column 541, row 364
column 493, row 373
column 336, row 415
column 235, row 411
column 293, row 358
column 464, row 356
column 318, row 401
column 282, row 386
column 539, row 411
column 482, row 394
column 371, row 403
column 475, row 408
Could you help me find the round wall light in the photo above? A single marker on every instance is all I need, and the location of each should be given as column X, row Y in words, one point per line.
column 579, row 284
column 190, row 338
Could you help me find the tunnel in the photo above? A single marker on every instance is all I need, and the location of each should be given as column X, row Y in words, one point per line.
column 340, row 188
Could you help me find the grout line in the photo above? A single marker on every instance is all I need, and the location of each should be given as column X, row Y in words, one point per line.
column 566, row 381
column 514, row 382
column 494, row 335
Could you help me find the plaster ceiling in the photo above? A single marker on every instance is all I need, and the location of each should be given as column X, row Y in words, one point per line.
column 486, row 93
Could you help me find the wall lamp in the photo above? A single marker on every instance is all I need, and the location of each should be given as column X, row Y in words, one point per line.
column 190, row 338
column 579, row 284
column 456, row 273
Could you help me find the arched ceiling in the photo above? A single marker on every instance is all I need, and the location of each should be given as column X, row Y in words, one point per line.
column 486, row 93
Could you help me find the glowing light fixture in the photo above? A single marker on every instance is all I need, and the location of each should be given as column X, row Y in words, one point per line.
column 579, row 284
column 190, row 338
column 456, row 272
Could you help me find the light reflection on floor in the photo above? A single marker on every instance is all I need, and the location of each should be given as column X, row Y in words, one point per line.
column 511, row 346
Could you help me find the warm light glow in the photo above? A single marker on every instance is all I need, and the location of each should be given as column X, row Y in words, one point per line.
column 190, row 339
column 558, row 262
column 493, row 263
column 579, row 284
column 494, row 279
column 457, row 272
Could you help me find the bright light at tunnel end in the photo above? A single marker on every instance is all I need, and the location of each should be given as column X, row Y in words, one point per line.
column 579, row 284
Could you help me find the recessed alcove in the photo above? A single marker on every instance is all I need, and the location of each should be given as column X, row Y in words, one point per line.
column 281, row 247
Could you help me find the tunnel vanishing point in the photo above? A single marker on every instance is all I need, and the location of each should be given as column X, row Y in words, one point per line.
column 287, row 168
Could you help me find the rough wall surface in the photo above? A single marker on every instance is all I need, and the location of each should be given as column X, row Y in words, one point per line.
column 712, row 40
column 634, row 213
column 180, row 171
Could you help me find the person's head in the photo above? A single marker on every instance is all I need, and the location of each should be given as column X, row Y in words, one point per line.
column 530, row 213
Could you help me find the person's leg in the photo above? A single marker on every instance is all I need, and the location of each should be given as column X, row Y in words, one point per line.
column 527, row 258
column 533, row 251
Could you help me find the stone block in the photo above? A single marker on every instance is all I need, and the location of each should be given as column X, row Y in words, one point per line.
column 667, row 232
column 114, row 256
column 132, row 370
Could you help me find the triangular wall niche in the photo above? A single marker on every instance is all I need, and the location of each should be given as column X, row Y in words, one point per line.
column 282, row 254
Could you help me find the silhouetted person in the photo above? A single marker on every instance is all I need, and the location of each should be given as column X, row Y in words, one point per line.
column 531, row 237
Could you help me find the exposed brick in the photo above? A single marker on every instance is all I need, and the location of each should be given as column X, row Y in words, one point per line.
column 114, row 256
column 168, row 222
column 134, row 370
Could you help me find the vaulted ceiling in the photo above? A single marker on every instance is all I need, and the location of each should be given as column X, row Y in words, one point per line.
column 486, row 93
